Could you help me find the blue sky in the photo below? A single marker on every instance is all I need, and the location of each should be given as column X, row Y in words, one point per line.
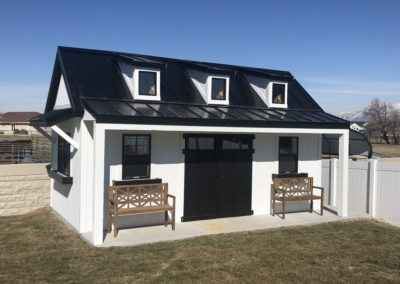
column 343, row 52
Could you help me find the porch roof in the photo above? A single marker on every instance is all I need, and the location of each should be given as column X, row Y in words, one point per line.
column 167, row 113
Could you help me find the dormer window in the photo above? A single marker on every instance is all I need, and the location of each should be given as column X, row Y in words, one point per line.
column 146, row 84
column 278, row 95
column 218, row 90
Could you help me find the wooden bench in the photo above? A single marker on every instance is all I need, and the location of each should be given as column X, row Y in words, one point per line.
column 284, row 190
column 125, row 200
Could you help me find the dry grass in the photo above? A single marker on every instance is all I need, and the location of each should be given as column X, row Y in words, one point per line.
column 387, row 151
column 39, row 248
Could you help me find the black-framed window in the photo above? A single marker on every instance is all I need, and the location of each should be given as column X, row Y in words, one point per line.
column 288, row 155
column 136, row 156
column 218, row 89
column 63, row 156
column 147, row 83
column 278, row 93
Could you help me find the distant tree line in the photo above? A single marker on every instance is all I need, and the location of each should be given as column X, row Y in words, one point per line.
column 383, row 122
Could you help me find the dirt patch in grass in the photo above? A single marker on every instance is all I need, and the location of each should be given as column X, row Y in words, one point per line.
column 39, row 248
column 386, row 151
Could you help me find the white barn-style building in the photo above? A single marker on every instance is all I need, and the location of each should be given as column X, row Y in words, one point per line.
column 206, row 129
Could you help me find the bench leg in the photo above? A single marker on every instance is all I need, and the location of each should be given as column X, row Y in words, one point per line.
column 173, row 220
column 322, row 203
column 115, row 230
column 311, row 205
column 273, row 206
column 109, row 222
column 165, row 218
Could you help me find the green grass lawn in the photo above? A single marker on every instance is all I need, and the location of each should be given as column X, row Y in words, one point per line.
column 39, row 248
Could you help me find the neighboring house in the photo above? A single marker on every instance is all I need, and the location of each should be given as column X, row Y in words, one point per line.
column 14, row 122
column 215, row 133
column 359, row 126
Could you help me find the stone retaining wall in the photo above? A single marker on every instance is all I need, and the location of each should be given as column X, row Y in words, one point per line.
column 23, row 188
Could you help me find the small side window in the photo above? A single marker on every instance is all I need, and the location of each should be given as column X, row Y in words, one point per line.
column 147, row 83
column 278, row 93
column 136, row 156
column 218, row 90
column 288, row 155
column 63, row 156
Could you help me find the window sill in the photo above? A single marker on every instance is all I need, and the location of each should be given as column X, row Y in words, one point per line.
column 60, row 177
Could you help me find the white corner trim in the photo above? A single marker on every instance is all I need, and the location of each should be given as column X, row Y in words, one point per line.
column 209, row 90
column 270, row 90
column 136, row 95
column 66, row 137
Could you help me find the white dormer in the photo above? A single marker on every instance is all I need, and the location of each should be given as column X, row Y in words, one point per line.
column 273, row 93
column 214, row 89
column 142, row 82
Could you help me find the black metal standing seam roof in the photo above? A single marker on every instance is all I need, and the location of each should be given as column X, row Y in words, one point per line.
column 94, row 82
column 145, row 112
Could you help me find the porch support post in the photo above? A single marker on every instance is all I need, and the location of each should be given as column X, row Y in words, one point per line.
column 98, row 190
column 344, row 168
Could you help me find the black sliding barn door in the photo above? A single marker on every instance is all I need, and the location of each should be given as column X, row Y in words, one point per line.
column 218, row 172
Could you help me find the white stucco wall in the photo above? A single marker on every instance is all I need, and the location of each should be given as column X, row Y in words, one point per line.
column 65, row 199
column 168, row 163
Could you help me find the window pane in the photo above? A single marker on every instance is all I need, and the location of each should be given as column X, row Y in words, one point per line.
column 63, row 156
column 218, row 89
column 136, row 171
column 136, row 145
column 201, row 143
column 147, row 83
column 230, row 143
column 278, row 93
column 288, row 145
column 205, row 143
column 288, row 155
column 288, row 164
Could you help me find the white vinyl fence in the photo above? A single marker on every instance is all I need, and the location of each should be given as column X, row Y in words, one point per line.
column 374, row 187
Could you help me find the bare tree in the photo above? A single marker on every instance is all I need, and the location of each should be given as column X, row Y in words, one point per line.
column 378, row 114
column 394, row 126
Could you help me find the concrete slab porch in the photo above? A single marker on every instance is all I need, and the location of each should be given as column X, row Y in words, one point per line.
column 146, row 235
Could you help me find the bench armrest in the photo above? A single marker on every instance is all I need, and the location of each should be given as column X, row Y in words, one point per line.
column 173, row 199
column 319, row 187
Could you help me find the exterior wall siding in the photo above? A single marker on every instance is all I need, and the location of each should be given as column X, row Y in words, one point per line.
column 66, row 199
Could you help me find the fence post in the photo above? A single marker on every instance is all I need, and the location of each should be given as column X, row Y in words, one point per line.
column 334, row 169
column 373, row 185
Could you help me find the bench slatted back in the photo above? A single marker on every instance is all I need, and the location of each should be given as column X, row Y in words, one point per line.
column 139, row 196
column 293, row 186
